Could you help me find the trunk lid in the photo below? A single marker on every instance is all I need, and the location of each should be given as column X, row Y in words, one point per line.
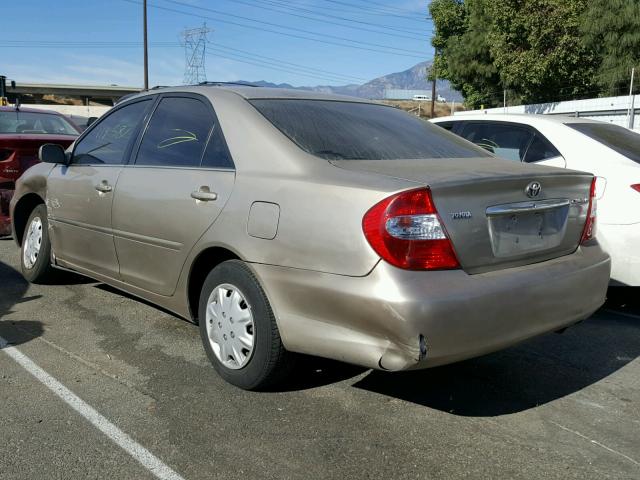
column 18, row 152
column 489, row 217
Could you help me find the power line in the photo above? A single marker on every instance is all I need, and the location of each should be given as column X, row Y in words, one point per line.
column 242, row 56
column 268, row 65
column 382, row 5
column 350, row 78
column 280, row 6
column 357, row 10
column 390, row 13
column 397, row 52
column 218, row 12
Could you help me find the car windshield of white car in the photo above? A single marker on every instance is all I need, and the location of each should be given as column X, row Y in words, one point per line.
column 619, row 139
column 337, row 130
column 32, row 122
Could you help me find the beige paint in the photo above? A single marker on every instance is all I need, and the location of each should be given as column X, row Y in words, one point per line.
column 331, row 293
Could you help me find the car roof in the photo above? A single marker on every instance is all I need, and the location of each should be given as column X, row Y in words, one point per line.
column 524, row 118
column 30, row 110
column 252, row 93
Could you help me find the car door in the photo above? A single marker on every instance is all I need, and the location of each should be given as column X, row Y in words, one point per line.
column 177, row 185
column 80, row 195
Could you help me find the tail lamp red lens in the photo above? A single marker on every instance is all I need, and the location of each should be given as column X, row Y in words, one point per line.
column 589, row 231
column 406, row 231
column 636, row 187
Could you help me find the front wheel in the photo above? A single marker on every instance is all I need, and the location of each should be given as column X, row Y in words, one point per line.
column 36, row 248
column 239, row 330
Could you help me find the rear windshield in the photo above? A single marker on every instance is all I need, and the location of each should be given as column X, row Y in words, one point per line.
column 31, row 122
column 336, row 130
column 623, row 141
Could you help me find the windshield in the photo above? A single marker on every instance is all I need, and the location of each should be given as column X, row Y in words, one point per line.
column 620, row 139
column 336, row 130
column 31, row 122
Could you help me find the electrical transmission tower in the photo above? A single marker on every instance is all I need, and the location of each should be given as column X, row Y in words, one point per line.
column 195, row 46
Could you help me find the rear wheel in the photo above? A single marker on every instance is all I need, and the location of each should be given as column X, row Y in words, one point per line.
column 36, row 247
column 238, row 329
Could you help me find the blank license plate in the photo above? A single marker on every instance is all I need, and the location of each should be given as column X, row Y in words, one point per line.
column 519, row 233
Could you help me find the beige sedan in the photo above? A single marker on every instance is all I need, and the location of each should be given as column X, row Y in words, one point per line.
column 283, row 222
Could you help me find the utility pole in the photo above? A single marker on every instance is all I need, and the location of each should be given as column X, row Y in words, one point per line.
column 146, row 50
column 632, row 109
column 504, row 101
column 433, row 85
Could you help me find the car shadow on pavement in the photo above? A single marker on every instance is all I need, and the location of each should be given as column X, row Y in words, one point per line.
column 522, row 377
column 313, row 372
column 12, row 292
column 624, row 300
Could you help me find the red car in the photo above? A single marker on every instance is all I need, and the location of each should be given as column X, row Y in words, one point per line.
column 22, row 131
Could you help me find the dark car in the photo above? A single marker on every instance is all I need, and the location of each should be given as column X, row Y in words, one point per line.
column 22, row 132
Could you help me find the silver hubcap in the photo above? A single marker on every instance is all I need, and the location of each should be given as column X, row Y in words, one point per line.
column 230, row 326
column 33, row 242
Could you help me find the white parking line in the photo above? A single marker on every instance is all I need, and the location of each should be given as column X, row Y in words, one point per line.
column 124, row 441
column 622, row 314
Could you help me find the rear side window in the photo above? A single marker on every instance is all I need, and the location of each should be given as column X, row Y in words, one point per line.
column 177, row 133
column 336, row 130
column 108, row 141
column 217, row 154
column 619, row 139
column 508, row 141
column 540, row 149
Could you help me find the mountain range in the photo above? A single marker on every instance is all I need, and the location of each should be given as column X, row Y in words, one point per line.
column 415, row 78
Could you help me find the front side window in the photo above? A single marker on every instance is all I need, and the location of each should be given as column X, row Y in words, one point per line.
column 505, row 140
column 35, row 123
column 619, row 139
column 108, row 141
column 177, row 133
column 336, row 130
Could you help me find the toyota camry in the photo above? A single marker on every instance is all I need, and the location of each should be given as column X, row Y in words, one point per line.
column 283, row 221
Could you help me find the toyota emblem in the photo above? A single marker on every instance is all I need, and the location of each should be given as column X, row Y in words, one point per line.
column 533, row 189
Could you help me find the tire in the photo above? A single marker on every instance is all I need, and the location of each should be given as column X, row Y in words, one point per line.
column 35, row 254
column 232, row 289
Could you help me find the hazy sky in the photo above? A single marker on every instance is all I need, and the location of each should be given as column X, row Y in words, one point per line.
column 100, row 42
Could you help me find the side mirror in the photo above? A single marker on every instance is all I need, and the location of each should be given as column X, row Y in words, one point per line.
column 90, row 120
column 52, row 153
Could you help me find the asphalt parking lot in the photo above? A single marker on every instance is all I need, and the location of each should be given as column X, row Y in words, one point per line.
column 560, row 406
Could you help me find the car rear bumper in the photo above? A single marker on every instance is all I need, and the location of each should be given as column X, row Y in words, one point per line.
column 623, row 244
column 376, row 321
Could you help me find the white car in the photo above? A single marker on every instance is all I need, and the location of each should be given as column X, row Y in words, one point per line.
column 610, row 152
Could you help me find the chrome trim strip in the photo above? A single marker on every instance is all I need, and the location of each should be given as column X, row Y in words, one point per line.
column 523, row 207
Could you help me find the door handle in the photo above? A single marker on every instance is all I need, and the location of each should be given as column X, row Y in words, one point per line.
column 104, row 187
column 204, row 194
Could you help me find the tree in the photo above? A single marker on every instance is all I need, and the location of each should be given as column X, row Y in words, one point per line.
column 533, row 48
column 612, row 29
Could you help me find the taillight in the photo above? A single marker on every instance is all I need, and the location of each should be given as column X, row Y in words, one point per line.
column 589, row 231
column 406, row 231
column 636, row 187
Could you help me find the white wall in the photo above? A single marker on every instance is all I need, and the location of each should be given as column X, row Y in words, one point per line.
column 78, row 113
column 609, row 109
